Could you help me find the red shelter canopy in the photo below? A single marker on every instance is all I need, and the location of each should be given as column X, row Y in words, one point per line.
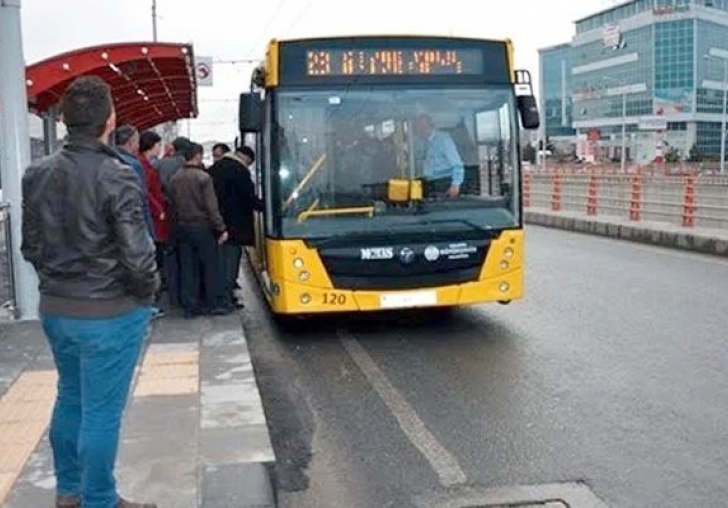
column 152, row 83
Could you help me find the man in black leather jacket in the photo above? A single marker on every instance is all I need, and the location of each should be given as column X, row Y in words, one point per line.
column 84, row 232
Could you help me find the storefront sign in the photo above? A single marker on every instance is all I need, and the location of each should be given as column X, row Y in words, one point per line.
column 665, row 10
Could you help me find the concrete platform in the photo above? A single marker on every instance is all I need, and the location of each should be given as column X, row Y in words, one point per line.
column 195, row 434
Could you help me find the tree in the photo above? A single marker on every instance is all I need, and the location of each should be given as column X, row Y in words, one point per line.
column 694, row 154
column 529, row 153
column 672, row 155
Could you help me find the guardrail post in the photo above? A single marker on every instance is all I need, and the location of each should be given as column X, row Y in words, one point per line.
column 527, row 190
column 689, row 202
column 635, row 202
column 592, row 198
column 556, row 192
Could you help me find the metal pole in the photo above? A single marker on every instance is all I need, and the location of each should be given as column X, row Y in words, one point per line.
column 154, row 20
column 15, row 147
column 50, row 132
column 541, row 144
column 564, row 121
column 624, row 129
column 725, row 111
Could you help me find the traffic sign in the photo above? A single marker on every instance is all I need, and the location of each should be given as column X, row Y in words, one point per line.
column 203, row 69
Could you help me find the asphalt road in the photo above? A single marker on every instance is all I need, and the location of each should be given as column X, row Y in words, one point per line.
column 613, row 371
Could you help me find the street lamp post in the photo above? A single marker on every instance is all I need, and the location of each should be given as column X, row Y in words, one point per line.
column 623, row 146
column 154, row 20
column 725, row 113
column 623, row 151
column 724, row 60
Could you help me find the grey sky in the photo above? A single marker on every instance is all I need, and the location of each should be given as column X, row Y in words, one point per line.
column 236, row 29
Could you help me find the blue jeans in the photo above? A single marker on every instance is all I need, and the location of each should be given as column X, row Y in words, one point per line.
column 95, row 359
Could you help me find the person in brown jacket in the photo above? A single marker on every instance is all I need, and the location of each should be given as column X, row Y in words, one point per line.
column 198, row 227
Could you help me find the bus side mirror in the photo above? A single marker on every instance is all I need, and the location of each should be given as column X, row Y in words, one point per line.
column 528, row 109
column 250, row 113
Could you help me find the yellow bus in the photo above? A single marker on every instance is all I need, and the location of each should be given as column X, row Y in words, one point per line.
column 390, row 172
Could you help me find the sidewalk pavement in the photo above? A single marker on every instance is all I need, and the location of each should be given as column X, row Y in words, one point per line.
column 704, row 240
column 195, row 434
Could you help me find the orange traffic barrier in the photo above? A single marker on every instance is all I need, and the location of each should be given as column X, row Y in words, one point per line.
column 556, row 192
column 592, row 199
column 527, row 190
column 635, row 202
column 689, row 202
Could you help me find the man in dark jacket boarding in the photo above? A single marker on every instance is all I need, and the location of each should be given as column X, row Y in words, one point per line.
column 236, row 196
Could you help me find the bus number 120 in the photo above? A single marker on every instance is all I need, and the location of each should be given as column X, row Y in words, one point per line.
column 334, row 299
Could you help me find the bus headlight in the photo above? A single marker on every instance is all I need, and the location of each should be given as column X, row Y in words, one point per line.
column 509, row 253
column 298, row 263
column 304, row 276
column 505, row 287
column 305, row 298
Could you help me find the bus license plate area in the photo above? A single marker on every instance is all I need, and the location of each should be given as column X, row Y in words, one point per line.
column 409, row 299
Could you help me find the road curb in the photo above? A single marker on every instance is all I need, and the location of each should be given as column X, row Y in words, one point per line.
column 689, row 240
column 246, row 485
column 233, row 417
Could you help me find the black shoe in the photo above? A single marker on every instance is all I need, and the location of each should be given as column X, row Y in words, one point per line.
column 222, row 311
column 68, row 501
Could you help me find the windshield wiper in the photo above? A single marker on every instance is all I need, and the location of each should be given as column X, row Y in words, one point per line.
column 466, row 222
column 323, row 241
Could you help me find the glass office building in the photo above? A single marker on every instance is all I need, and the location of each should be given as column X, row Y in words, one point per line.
column 556, row 104
column 655, row 68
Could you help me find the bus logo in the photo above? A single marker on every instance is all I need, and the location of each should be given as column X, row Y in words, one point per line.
column 407, row 256
column 377, row 253
column 432, row 253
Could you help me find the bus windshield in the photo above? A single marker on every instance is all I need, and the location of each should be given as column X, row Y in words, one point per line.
column 346, row 157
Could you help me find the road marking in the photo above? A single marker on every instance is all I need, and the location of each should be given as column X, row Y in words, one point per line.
column 25, row 410
column 556, row 495
column 442, row 461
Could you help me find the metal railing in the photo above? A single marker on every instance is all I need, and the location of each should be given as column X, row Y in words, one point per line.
column 8, row 302
column 664, row 168
column 690, row 200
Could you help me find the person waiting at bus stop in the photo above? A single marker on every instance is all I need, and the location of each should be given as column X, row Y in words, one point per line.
column 167, row 167
column 150, row 146
column 84, row 233
column 198, row 227
column 126, row 139
column 442, row 168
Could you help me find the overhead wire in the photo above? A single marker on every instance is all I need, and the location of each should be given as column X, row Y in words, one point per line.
column 268, row 24
column 298, row 17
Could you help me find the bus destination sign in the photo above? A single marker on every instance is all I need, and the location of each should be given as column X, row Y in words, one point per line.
column 394, row 62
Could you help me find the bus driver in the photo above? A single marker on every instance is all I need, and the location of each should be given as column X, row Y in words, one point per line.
column 442, row 168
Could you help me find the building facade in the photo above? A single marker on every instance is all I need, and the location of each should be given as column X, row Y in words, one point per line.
column 654, row 69
column 556, row 96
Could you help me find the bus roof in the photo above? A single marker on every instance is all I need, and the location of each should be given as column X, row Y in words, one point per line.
column 386, row 36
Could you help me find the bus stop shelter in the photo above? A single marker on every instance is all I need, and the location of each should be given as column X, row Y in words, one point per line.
column 152, row 83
